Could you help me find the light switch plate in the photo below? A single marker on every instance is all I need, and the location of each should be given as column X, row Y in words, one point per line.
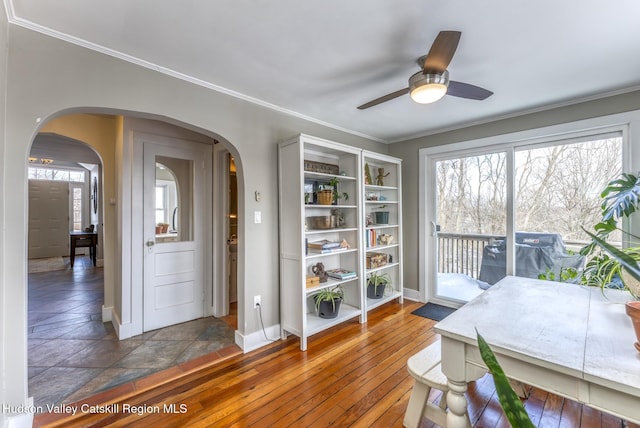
column 257, row 217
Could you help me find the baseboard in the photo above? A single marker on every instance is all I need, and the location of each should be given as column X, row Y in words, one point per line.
column 20, row 417
column 257, row 340
column 411, row 294
column 122, row 330
column 107, row 313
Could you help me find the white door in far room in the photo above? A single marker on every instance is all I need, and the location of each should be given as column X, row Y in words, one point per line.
column 48, row 218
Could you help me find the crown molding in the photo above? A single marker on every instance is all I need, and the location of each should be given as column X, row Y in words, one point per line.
column 15, row 20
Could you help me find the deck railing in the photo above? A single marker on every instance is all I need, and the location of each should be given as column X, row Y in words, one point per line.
column 462, row 252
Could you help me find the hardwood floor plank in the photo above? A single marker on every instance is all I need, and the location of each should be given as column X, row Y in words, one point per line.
column 552, row 411
column 367, row 378
column 591, row 418
column 571, row 414
column 535, row 404
column 351, row 375
column 389, row 412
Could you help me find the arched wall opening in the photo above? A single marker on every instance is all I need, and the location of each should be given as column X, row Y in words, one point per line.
column 104, row 131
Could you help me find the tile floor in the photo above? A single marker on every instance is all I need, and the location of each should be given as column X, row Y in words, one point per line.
column 72, row 354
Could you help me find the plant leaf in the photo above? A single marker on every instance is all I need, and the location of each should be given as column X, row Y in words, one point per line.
column 621, row 197
column 509, row 400
column 627, row 261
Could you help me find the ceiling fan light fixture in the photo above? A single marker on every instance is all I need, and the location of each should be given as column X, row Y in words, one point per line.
column 428, row 88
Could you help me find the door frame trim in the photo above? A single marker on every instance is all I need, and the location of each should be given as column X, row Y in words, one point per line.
column 220, row 300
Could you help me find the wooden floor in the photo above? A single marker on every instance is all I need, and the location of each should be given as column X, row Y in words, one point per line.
column 352, row 375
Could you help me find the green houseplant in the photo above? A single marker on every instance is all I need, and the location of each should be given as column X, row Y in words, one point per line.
column 509, row 401
column 328, row 302
column 377, row 283
column 620, row 199
column 631, row 275
column 336, row 194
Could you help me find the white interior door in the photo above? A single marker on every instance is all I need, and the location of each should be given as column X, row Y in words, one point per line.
column 175, row 194
column 48, row 218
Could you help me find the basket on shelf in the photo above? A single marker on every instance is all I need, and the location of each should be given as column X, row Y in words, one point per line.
column 325, row 197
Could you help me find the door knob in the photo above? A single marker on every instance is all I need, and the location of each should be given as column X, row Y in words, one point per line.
column 150, row 243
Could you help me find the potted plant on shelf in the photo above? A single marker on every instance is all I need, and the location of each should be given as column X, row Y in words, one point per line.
column 382, row 215
column 377, row 283
column 328, row 194
column 336, row 195
column 324, row 195
column 328, row 302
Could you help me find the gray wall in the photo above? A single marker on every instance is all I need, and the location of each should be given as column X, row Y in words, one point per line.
column 408, row 151
column 47, row 78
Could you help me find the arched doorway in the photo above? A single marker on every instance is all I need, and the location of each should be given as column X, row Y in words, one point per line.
column 108, row 200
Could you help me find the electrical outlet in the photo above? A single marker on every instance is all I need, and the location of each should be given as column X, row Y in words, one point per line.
column 256, row 301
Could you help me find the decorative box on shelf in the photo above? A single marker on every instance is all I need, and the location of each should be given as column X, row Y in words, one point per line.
column 321, row 167
column 312, row 281
column 376, row 260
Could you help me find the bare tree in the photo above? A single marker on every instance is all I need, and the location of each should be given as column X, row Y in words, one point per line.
column 557, row 188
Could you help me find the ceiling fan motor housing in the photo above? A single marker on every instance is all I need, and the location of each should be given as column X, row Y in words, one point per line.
column 428, row 87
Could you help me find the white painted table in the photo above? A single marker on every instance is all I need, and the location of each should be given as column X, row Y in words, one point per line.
column 566, row 339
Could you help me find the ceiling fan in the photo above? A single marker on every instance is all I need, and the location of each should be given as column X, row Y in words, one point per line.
column 432, row 82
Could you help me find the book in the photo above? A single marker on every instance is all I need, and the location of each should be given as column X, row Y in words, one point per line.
column 324, row 244
column 327, row 251
column 341, row 273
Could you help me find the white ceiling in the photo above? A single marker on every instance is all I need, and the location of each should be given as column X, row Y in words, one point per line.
column 320, row 59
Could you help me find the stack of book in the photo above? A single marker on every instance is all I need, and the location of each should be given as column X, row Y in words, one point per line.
column 371, row 238
column 324, row 247
column 341, row 273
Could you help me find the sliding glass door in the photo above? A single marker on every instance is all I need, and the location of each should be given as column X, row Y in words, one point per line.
column 513, row 209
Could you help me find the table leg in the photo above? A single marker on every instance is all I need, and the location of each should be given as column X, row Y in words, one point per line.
column 72, row 254
column 457, row 415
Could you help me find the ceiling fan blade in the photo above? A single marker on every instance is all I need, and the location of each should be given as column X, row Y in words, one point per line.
column 441, row 52
column 465, row 90
column 384, row 98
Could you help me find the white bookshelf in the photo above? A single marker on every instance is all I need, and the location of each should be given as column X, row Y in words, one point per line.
column 298, row 315
column 297, row 206
column 374, row 195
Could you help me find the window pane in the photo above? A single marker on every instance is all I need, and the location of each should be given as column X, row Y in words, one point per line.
column 175, row 177
column 160, row 190
column 558, row 188
column 56, row 174
column 77, row 176
column 557, row 194
column 471, row 217
column 77, row 208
